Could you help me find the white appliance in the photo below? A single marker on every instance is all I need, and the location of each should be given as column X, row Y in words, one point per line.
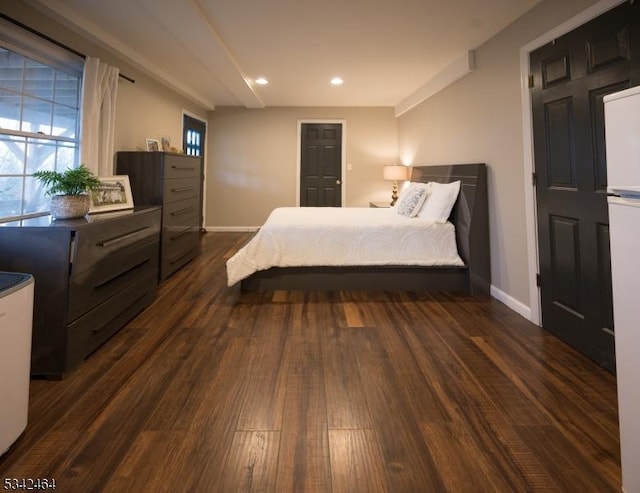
column 622, row 126
column 16, row 316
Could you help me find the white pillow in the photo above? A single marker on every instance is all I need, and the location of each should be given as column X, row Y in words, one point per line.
column 413, row 199
column 442, row 197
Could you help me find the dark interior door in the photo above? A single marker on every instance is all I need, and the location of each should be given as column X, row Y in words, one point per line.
column 194, row 133
column 571, row 76
column 321, row 165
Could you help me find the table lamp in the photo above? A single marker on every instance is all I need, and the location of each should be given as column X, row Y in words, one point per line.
column 396, row 173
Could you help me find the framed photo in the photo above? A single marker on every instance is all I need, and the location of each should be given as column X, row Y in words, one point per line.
column 114, row 193
column 165, row 144
column 153, row 145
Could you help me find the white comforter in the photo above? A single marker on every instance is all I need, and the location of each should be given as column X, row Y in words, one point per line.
column 335, row 236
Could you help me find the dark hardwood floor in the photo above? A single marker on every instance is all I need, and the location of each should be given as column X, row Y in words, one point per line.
column 213, row 390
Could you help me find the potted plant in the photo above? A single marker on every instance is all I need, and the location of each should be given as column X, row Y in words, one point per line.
column 69, row 190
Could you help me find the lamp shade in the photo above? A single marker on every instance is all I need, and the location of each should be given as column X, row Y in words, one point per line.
column 396, row 172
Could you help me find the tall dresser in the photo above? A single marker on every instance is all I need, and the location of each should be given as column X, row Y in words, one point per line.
column 173, row 181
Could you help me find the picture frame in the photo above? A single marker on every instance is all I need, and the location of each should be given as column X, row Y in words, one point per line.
column 153, row 145
column 114, row 193
column 165, row 144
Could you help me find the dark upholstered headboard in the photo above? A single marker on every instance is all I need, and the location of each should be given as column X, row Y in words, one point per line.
column 470, row 214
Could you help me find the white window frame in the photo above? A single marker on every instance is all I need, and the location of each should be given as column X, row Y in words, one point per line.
column 23, row 42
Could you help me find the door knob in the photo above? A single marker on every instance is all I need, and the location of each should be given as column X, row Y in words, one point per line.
column 338, row 182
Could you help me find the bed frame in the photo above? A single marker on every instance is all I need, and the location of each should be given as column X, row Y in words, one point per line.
column 471, row 219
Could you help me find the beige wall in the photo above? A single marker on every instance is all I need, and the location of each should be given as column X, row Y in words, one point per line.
column 147, row 109
column 479, row 119
column 252, row 159
column 144, row 109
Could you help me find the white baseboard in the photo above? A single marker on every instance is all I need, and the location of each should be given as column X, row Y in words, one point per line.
column 517, row 306
column 232, row 229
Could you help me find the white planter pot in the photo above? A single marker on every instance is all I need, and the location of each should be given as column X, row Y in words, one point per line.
column 69, row 206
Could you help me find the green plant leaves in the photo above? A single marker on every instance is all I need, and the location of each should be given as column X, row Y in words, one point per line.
column 73, row 181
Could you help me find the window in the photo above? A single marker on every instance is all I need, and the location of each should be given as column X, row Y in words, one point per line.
column 193, row 143
column 39, row 118
column 193, row 134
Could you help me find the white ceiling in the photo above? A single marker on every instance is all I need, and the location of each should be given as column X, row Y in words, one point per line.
column 213, row 50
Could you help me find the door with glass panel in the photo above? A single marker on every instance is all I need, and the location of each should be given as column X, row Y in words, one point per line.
column 193, row 139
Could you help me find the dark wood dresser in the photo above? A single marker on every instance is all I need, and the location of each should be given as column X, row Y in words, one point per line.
column 174, row 182
column 92, row 275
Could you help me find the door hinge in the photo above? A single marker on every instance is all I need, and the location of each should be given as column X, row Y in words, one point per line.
column 534, row 178
column 532, row 82
column 538, row 280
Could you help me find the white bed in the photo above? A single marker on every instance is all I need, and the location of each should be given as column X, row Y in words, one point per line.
column 456, row 259
column 352, row 236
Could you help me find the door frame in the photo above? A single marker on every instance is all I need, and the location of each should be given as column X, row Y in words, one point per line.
column 204, row 162
column 343, row 156
column 534, row 312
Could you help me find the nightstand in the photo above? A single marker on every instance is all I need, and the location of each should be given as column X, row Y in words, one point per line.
column 380, row 205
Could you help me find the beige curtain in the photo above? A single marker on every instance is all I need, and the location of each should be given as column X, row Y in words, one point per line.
column 99, row 91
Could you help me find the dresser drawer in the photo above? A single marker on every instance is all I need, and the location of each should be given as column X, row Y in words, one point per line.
column 179, row 245
column 181, row 188
column 181, row 166
column 180, row 254
column 110, row 275
column 181, row 213
column 176, row 240
column 93, row 245
column 96, row 326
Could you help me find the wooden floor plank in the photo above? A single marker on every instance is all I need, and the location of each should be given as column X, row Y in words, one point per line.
column 570, row 470
column 474, row 470
column 303, row 462
column 457, row 338
column 420, row 386
column 149, row 465
column 266, row 372
column 204, row 352
column 356, row 462
column 408, row 462
column 212, row 423
column 352, row 315
column 345, row 400
column 211, row 389
column 252, row 462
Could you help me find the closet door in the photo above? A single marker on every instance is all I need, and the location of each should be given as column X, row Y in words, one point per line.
column 571, row 77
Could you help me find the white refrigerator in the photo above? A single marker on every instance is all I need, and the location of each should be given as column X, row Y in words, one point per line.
column 622, row 127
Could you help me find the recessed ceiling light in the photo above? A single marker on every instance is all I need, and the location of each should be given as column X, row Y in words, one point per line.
column 262, row 81
column 336, row 81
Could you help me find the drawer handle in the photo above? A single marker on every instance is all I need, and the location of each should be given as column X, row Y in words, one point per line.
column 181, row 212
column 182, row 189
column 181, row 233
column 190, row 168
column 118, row 239
column 99, row 329
column 121, row 274
column 180, row 257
